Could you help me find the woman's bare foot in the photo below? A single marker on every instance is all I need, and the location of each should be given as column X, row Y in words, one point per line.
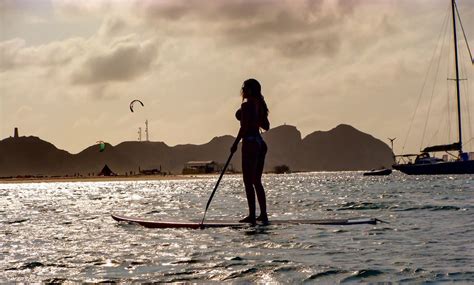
column 263, row 218
column 248, row 219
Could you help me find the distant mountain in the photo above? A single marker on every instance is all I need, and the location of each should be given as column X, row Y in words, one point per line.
column 342, row 148
column 284, row 147
column 31, row 155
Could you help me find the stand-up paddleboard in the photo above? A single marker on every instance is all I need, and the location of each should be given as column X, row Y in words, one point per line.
column 195, row 224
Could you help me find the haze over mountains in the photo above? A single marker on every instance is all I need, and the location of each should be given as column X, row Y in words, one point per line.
column 342, row 148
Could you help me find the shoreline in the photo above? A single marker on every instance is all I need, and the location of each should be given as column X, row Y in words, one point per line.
column 21, row 180
column 53, row 179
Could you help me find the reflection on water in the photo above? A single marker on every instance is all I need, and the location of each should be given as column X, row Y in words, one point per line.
column 54, row 232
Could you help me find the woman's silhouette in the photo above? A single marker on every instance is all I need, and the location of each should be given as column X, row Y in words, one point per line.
column 253, row 115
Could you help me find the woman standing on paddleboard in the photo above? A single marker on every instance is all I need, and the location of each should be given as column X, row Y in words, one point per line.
column 253, row 115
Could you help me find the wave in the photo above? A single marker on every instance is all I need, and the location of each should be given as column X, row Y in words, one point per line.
column 181, row 276
column 240, row 273
column 16, row 221
column 28, row 265
column 431, row 208
column 326, row 273
column 394, row 207
column 187, row 261
column 437, row 277
column 364, row 206
column 55, row 281
column 361, row 274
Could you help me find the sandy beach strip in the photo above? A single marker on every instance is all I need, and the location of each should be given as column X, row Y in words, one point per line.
column 103, row 178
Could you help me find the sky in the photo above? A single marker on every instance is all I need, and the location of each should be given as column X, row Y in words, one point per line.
column 69, row 69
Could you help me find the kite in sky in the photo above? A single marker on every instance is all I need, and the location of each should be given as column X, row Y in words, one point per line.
column 101, row 146
column 133, row 102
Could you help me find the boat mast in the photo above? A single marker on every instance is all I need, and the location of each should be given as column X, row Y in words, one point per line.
column 458, row 92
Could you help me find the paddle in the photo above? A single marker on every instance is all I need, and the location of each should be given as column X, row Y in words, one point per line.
column 217, row 185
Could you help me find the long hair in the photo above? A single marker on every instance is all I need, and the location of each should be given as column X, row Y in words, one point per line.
column 253, row 89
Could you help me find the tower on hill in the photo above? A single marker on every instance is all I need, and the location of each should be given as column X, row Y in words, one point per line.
column 15, row 133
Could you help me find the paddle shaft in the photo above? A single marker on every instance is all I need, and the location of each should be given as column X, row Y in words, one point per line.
column 217, row 185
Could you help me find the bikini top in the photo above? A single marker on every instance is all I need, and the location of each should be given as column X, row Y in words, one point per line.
column 251, row 119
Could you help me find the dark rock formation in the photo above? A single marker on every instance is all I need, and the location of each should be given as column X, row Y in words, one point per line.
column 342, row 148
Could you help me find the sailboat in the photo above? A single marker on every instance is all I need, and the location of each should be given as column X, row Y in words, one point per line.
column 424, row 163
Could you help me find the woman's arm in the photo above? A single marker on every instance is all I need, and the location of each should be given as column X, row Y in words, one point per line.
column 236, row 142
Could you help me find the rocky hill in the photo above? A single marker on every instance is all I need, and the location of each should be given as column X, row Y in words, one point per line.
column 31, row 155
column 342, row 148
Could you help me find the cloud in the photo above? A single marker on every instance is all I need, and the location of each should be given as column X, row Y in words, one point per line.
column 294, row 29
column 19, row 6
column 122, row 61
column 73, row 8
column 13, row 12
column 210, row 11
column 112, row 26
column 24, row 111
column 328, row 45
column 84, row 61
column 17, row 55
column 6, row 6
column 9, row 53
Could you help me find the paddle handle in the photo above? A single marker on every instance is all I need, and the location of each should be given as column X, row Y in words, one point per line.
column 217, row 185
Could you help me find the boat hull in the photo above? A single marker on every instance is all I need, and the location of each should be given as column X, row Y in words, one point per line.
column 453, row 167
column 380, row 172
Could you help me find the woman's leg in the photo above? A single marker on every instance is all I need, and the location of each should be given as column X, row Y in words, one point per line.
column 249, row 166
column 258, row 182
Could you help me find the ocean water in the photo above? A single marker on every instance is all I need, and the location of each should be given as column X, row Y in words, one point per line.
column 63, row 232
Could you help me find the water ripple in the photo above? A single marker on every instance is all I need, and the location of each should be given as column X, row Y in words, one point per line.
column 62, row 232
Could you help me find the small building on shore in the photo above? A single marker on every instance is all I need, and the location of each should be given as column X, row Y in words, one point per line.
column 200, row 167
column 154, row 171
